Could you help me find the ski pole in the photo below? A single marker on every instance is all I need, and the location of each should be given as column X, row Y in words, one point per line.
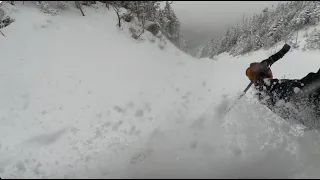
column 264, row 64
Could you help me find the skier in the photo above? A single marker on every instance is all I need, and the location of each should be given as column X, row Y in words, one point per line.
column 291, row 99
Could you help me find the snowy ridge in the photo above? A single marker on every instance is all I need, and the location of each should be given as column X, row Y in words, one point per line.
column 82, row 99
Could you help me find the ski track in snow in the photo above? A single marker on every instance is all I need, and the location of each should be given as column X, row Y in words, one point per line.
column 81, row 99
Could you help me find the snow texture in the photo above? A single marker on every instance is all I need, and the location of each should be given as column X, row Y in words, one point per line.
column 82, row 99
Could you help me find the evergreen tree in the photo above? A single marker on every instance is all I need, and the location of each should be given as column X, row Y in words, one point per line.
column 265, row 29
column 170, row 26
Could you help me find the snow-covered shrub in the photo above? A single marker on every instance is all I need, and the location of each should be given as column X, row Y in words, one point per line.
column 149, row 16
column 295, row 45
column 293, row 42
column 162, row 41
column 52, row 7
column 128, row 17
column 6, row 21
column 62, row 6
column 46, row 8
column 152, row 27
column 133, row 32
column 313, row 32
column 313, row 42
column 2, row 13
column 88, row 3
column 153, row 40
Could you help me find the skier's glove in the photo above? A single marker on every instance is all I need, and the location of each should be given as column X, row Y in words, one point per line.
column 256, row 72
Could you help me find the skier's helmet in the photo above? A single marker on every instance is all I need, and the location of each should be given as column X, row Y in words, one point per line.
column 255, row 75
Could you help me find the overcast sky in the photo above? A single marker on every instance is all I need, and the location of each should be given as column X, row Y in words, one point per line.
column 200, row 19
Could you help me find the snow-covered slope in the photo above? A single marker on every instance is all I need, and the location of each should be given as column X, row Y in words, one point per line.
column 82, row 99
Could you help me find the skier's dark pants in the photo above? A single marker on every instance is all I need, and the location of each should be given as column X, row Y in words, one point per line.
column 311, row 78
column 286, row 89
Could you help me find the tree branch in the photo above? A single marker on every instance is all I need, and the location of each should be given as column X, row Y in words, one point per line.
column 107, row 5
column 2, row 33
column 78, row 5
column 143, row 24
column 116, row 10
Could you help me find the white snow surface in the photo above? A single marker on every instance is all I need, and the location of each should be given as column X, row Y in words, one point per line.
column 80, row 98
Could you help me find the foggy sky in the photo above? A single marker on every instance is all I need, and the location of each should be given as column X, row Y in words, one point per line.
column 203, row 19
